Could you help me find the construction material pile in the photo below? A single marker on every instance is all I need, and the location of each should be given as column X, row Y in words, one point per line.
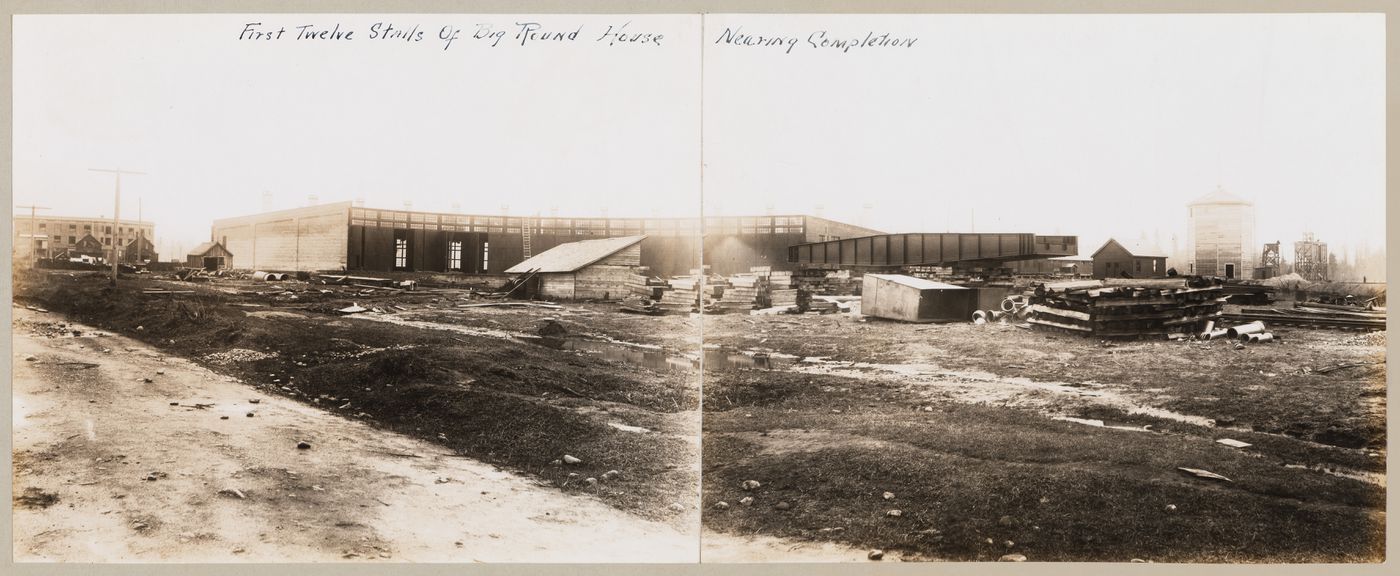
column 830, row 283
column 744, row 293
column 682, row 297
column 1127, row 308
column 1316, row 315
column 645, row 286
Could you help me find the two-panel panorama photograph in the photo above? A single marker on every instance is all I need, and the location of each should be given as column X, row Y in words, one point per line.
column 717, row 288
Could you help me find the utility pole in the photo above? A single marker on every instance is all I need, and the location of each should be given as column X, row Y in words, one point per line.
column 140, row 231
column 33, row 231
column 116, row 215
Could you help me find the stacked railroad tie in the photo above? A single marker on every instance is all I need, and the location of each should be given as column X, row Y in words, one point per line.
column 682, row 297
column 743, row 293
column 1127, row 308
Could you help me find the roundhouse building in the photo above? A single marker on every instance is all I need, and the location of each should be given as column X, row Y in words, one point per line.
column 341, row 236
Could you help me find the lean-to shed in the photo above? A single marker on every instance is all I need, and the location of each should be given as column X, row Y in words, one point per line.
column 584, row 270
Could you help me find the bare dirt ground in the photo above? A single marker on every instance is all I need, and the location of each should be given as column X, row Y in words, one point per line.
column 963, row 442
column 111, row 467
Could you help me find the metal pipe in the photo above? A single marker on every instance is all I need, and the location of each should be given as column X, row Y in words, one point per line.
column 1213, row 334
column 1250, row 328
column 1259, row 337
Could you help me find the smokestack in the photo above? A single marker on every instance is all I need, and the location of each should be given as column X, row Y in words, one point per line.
column 267, row 201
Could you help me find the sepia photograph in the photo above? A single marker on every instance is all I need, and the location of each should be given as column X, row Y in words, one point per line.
column 1092, row 288
column 702, row 287
column 307, row 288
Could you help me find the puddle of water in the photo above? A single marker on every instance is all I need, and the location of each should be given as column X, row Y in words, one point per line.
column 626, row 428
column 1369, row 477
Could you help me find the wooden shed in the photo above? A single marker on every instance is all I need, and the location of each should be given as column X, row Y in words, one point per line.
column 1129, row 260
column 899, row 297
column 585, row 270
column 209, row 256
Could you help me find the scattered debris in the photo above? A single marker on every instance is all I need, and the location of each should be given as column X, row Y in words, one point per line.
column 571, row 460
column 234, row 492
column 876, row 554
column 1203, row 474
column 303, row 445
column 1233, row 443
column 1012, row 558
column 751, row 484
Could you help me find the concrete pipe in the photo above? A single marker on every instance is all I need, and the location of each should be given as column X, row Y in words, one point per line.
column 979, row 317
column 996, row 315
column 1013, row 303
column 268, row 276
column 1259, row 337
column 1215, row 334
column 1250, row 328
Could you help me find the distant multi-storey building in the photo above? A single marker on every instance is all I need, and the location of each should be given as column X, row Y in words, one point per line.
column 1220, row 236
column 66, row 236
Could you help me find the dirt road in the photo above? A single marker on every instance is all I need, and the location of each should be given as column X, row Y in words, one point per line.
column 125, row 454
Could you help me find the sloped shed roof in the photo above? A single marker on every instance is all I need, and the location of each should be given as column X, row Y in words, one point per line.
column 575, row 255
column 912, row 282
column 1138, row 249
column 204, row 248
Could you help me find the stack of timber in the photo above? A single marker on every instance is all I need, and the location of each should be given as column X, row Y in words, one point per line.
column 1126, row 308
column 744, row 293
column 832, row 283
column 1313, row 315
column 645, row 286
column 682, row 297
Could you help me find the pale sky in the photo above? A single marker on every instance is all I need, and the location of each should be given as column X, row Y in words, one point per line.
column 1090, row 125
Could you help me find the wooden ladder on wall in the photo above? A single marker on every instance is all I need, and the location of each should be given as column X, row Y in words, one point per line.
column 525, row 225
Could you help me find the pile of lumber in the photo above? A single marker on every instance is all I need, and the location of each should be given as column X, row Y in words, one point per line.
column 743, row 293
column 1313, row 315
column 1126, row 308
column 683, row 295
column 833, row 283
column 645, row 286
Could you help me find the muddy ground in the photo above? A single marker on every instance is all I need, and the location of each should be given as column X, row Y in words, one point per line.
column 468, row 379
column 126, row 454
column 964, row 442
